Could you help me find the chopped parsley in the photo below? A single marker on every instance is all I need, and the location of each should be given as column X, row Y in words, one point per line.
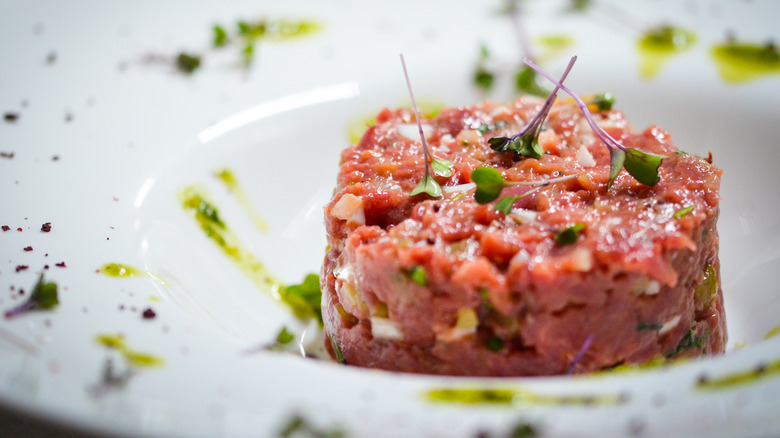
column 305, row 298
column 495, row 344
column 690, row 340
column 187, row 63
column 417, row 274
column 43, row 297
column 569, row 235
column 683, row 212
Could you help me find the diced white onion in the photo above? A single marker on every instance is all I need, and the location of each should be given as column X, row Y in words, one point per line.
column 349, row 208
column 668, row 325
column 459, row 188
column 383, row 328
column 412, row 132
column 584, row 157
column 652, row 288
column 523, row 216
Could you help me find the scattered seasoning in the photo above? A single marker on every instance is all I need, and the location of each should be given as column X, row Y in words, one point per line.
column 68, row 117
column 148, row 313
column 8, row 155
column 417, row 274
column 46, row 227
column 6, row 228
column 21, row 267
column 51, row 58
column 28, row 248
column 60, row 265
column 690, row 340
column 43, row 297
column 55, row 158
column 11, row 117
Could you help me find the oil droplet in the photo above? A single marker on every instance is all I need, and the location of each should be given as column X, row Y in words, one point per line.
column 657, row 46
column 743, row 62
column 121, row 270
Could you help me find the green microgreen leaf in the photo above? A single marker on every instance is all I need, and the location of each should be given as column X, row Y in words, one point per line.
column 304, row 299
column 504, row 205
column 483, row 78
column 248, row 53
column 526, row 142
column 43, row 297
column 616, row 159
column 427, row 185
column 683, row 212
column 220, row 36
column 525, row 82
column 569, row 235
column 489, row 183
column 417, row 274
column 187, row 63
column 643, row 166
column 442, row 167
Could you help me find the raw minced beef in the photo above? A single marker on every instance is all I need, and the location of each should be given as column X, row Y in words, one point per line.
column 449, row 286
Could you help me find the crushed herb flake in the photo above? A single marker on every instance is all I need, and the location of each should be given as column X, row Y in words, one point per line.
column 569, row 235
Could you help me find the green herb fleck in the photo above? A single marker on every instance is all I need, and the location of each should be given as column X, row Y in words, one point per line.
column 220, row 36
column 648, row 326
column 569, row 235
column 336, row 350
column 284, row 337
column 187, row 63
column 43, row 297
column 134, row 358
column 683, row 212
column 299, row 426
column 690, row 340
column 495, row 344
column 604, row 101
column 417, row 274
column 523, row 430
column 304, row 299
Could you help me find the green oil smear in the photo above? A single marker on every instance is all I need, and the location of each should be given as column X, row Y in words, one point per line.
column 552, row 46
column 134, row 358
column 357, row 127
column 289, row 29
column 121, row 270
column 657, row 46
column 195, row 201
column 514, row 397
column 740, row 378
column 772, row 333
column 743, row 62
column 234, row 187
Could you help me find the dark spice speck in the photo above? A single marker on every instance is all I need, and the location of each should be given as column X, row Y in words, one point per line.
column 6, row 228
column 21, row 267
column 46, row 227
column 60, row 265
column 28, row 248
column 148, row 313
column 8, row 155
column 11, row 117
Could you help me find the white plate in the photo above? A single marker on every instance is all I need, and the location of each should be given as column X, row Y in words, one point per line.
column 129, row 134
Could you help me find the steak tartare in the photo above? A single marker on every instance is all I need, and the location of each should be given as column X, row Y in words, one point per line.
column 577, row 276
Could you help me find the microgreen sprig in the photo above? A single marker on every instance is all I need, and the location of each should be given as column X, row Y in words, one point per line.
column 43, row 297
column 526, row 142
column 643, row 166
column 490, row 183
column 441, row 167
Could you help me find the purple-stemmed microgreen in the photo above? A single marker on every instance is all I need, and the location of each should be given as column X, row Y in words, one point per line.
column 441, row 167
column 643, row 166
column 526, row 142
column 490, row 183
column 580, row 354
column 43, row 297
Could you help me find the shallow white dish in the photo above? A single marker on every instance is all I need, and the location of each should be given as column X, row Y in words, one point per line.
column 129, row 134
